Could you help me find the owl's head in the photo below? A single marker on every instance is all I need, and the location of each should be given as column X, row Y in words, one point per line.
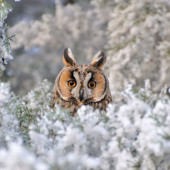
column 82, row 84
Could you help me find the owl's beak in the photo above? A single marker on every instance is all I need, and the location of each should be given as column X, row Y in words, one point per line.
column 81, row 94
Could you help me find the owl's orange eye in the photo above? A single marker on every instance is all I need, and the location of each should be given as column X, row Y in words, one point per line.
column 91, row 84
column 71, row 83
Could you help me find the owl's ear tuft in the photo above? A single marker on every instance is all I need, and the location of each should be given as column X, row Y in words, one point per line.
column 99, row 60
column 68, row 58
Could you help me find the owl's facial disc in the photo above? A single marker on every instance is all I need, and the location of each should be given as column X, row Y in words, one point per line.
column 91, row 86
column 82, row 85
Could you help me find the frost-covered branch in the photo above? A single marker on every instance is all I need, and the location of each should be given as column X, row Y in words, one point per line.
column 132, row 135
column 5, row 50
column 139, row 44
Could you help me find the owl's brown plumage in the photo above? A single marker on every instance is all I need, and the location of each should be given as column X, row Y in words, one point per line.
column 78, row 85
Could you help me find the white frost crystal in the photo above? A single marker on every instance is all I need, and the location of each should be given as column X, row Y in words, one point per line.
column 139, row 44
column 131, row 135
column 5, row 50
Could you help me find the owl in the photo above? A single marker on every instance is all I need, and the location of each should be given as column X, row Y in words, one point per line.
column 78, row 85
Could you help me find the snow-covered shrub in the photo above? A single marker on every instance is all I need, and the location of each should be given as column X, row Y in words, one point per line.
column 18, row 157
column 5, row 50
column 8, row 122
column 139, row 44
column 133, row 134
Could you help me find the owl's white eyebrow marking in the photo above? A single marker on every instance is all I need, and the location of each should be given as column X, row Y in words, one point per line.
column 76, row 76
column 88, row 91
column 75, row 90
column 88, row 77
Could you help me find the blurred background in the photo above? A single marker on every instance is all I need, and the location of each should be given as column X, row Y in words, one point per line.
column 135, row 36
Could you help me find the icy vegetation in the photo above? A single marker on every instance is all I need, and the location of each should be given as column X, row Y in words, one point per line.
column 139, row 44
column 133, row 134
column 5, row 49
column 134, row 34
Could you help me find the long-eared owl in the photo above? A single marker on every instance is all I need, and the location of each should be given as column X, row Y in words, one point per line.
column 78, row 85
